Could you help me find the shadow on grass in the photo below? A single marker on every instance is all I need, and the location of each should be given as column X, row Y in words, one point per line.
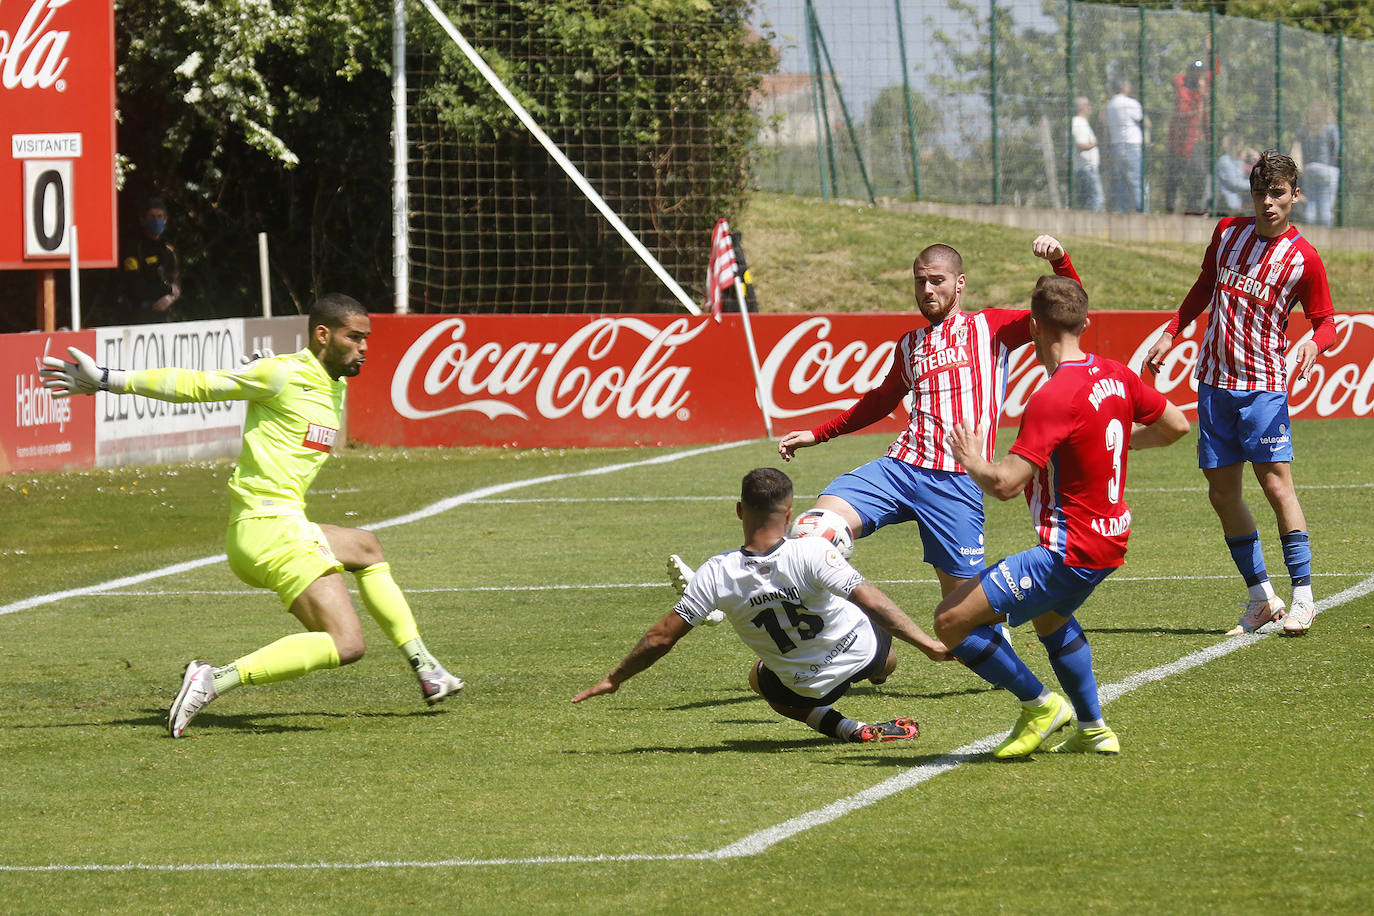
column 886, row 690
column 1154, row 631
column 247, row 722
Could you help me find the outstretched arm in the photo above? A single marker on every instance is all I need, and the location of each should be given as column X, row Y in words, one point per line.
column 258, row 380
column 1004, row 479
column 869, row 409
column 885, row 613
column 652, row 646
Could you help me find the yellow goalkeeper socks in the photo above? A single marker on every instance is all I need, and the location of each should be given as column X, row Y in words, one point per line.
column 291, row 656
column 386, row 604
column 390, row 609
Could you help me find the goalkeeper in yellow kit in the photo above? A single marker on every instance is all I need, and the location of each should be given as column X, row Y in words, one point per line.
column 294, row 406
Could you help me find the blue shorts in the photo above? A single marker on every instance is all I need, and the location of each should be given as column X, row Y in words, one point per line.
column 1236, row 426
column 1033, row 582
column 948, row 507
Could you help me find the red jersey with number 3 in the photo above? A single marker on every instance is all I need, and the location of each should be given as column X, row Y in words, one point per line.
column 1076, row 431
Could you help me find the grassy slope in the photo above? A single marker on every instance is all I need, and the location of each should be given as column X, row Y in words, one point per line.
column 812, row 256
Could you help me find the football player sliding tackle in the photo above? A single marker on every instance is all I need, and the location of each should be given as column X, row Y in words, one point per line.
column 814, row 623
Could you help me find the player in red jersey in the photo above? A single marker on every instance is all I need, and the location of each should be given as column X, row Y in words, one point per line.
column 955, row 370
column 1255, row 270
column 1070, row 458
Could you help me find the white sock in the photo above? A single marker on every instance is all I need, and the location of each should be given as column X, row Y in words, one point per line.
column 1302, row 593
column 1263, row 590
column 1038, row 701
column 828, row 721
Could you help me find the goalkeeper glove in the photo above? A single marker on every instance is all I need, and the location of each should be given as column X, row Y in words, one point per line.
column 80, row 377
column 260, row 353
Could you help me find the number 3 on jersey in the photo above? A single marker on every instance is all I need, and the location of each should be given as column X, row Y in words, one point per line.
column 806, row 626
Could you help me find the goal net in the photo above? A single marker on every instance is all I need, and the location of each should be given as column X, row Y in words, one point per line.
column 648, row 104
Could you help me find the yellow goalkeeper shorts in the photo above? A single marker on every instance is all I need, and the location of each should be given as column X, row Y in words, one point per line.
column 284, row 553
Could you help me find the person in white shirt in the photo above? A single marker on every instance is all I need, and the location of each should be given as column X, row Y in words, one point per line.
column 1087, row 164
column 1126, row 126
column 814, row 623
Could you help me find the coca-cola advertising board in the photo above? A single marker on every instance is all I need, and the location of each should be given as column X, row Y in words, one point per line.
column 57, row 104
column 616, row 380
column 39, row 432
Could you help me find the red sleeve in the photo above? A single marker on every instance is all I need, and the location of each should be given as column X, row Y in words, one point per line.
column 1045, row 423
column 1149, row 403
column 871, row 407
column 1064, row 268
column 1324, row 332
column 1314, row 291
column 1009, row 327
column 1200, row 296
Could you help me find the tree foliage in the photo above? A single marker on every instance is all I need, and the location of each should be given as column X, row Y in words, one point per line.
column 255, row 115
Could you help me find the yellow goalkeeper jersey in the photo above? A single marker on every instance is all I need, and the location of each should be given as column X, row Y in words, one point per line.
column 294, row 409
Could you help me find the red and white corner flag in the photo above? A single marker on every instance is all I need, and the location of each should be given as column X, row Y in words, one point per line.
column 723, row 270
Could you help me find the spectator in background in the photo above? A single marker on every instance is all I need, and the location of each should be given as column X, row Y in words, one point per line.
column 150, row 272
column 1187, row 129
column 1232, row 179
column 1317, row 152
column 1087, row 159
column 1126, row 126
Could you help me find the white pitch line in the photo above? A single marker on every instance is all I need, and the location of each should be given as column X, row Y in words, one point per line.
column 760, row 841
column 429, row 511
column 597, row 586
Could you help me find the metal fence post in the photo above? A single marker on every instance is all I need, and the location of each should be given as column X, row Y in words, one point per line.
column 992, row 99
column 906, row 101
column 818, row 96
column 1212, row 108
column 1140, row 83
column 1278, row 80
column 1068, row 70
column 1340, row 126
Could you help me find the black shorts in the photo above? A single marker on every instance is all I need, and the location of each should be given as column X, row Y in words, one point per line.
column 772, row 687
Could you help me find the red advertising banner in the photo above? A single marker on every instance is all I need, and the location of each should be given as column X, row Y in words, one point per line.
column 38, row 431
column 57, row 103
column 615, row 380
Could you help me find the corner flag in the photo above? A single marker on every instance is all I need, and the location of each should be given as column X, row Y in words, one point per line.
column 723, row 270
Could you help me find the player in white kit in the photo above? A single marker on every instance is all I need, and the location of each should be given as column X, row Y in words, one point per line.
column 815, row 624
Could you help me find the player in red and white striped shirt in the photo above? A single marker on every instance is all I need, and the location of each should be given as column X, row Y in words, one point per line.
column 954, row 370
column 1070, row 459
column 1255, row 270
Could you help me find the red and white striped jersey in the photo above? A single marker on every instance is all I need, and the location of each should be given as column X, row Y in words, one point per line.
column 954, row 371
column 1251, row 284
column 1076, row 431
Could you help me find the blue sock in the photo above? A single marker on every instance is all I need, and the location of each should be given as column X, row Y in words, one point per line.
column 1072, row 660
column 1245, row 550
column 1297, row 556
column 991, row 657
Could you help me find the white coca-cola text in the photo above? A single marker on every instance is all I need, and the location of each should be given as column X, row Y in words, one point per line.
column 33, row 56
column 588, row 374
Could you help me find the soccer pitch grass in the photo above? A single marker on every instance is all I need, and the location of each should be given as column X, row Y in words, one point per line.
column 1244, row 782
